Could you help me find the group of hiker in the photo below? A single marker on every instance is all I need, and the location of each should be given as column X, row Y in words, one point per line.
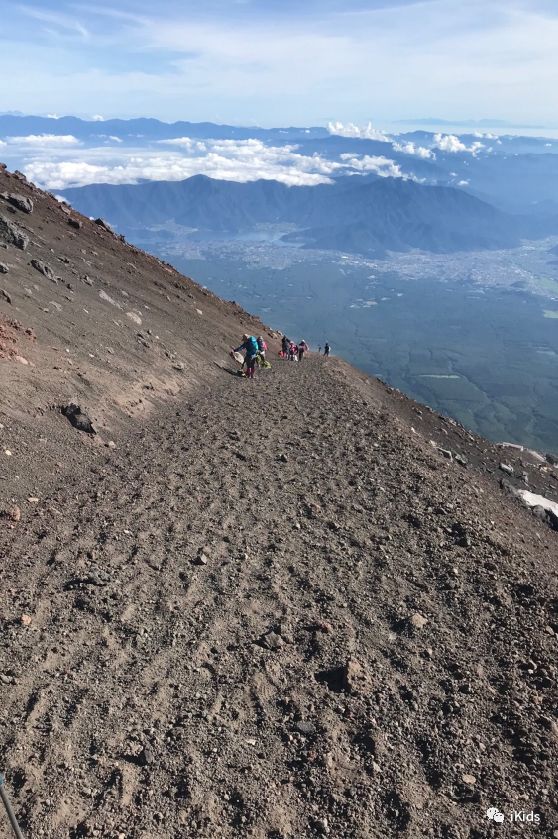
column 293, row 351
column 255, row 350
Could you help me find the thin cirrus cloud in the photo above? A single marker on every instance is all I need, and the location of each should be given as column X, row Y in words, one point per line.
column 54, row 22
column 285, row 62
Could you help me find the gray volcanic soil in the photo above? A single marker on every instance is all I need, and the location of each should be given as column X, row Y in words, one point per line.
column 145, row 697
column 273, row 610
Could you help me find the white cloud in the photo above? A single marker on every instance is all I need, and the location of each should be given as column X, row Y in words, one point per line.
column 463, row 183
column 380, row 165
column 97, row 118
column 40, row 140
column 453, row 145
column 233, row 160
column 364, row 132
column 243, row 160
column 417, row 151
column 55, row 166
column 186, row 143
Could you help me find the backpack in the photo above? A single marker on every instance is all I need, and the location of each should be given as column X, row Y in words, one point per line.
column 252, row 346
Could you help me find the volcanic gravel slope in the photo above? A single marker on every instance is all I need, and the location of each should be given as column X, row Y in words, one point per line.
column 273, row 610
column 226, row 634
column 107, row 326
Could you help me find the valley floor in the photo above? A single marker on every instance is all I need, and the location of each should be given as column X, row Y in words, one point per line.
column 275, row 612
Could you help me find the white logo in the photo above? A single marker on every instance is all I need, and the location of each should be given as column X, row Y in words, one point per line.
column 495, row 815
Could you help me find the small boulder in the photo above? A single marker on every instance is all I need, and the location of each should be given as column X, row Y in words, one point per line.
column 305, row 727
column 418, row 621
column 12, row 235
column 77, row 418
column 355, row 679
column 271, row 640
column 13, row 513
column 104, row 224
column 43, row 269
column 3, row 268
column 4, row 294
column 134, row 317
column 75, row 223
column 21, row 202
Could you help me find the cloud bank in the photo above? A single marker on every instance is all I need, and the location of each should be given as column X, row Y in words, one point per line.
column 43, row 140
column 183, row 157
column 244, row 160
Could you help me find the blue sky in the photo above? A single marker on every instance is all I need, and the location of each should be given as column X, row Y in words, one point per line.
column 279, row 62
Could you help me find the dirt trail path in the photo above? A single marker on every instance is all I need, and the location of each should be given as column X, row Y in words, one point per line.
column 146, row 697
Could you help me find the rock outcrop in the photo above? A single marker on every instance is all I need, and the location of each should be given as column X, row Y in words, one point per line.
column 11, row 234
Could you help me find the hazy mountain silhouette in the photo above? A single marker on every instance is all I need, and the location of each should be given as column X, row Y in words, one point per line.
column 362, row 215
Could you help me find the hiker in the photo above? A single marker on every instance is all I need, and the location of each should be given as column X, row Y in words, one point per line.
column 302, row 348
column 293, row 350
column 326, row 349
column 250, row 345
column 285, row 346
column 262, row 347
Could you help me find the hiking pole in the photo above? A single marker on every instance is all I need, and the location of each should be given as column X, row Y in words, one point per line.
column 8, row 806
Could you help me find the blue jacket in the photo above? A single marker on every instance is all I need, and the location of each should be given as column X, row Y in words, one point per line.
column 251, row 347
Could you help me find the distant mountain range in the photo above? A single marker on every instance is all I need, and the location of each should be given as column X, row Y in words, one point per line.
column 516, row 174
column 367, row 215
column 147, row 129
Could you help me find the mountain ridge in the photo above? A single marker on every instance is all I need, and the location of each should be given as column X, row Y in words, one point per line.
column 390, row 210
